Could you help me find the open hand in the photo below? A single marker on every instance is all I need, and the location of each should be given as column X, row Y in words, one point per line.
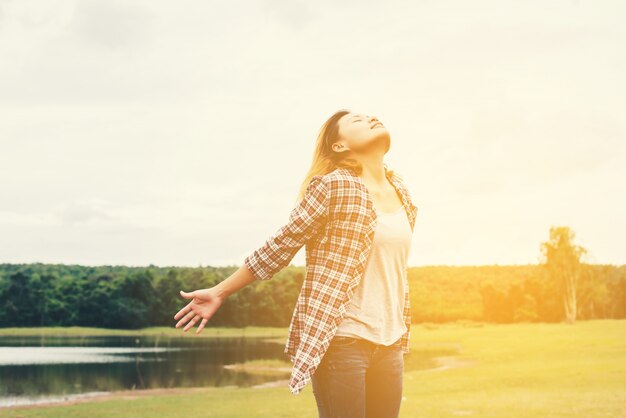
column 204, row 303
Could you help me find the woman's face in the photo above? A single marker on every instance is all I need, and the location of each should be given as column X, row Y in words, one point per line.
column 361, row 134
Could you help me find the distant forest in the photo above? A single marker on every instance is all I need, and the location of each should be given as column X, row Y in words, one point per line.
column 136, row 297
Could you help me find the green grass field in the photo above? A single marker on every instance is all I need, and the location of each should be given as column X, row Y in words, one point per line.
column 519, row 370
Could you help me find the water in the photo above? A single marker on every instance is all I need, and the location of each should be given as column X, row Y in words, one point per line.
column 39, row 369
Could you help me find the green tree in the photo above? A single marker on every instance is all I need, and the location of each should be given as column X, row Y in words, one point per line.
column 562, row 261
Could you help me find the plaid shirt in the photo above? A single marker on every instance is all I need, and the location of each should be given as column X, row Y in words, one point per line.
column 336, row 221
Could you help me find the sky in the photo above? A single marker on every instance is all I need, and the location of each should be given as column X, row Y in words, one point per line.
column 177, row 134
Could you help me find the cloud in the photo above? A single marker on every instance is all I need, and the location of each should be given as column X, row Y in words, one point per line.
column 110, row 24
column 294, row 14
column 84, row 212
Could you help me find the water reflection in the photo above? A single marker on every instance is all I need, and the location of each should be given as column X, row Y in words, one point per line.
column 62, row 355
column 43, row 369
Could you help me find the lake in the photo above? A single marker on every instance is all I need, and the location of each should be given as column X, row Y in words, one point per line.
column 36, row 369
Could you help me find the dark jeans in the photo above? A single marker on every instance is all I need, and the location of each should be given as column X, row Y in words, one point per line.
column 358, row 378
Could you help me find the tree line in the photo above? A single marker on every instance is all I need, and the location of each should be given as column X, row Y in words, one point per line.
column 562, row 288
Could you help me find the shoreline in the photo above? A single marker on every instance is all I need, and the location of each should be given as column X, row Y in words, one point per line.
column 445, row 362
column 65, row 400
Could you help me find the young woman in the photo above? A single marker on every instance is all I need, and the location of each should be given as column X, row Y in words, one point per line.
column 351, row 324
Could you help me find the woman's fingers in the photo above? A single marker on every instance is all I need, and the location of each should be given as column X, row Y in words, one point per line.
column 204, row 321
column 185, row 319
column 183, row 311
column 192, row 322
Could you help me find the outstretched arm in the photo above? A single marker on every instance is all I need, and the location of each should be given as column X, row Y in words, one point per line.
column 304, row 222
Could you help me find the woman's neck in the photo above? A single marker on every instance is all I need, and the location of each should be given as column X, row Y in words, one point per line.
column 373, row 169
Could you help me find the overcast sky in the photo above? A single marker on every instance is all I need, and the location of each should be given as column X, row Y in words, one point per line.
column 177, row 133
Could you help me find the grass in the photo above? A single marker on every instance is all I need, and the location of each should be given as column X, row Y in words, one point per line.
column 516, row 370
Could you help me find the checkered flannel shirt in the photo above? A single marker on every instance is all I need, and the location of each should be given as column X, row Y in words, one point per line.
column 336, row 222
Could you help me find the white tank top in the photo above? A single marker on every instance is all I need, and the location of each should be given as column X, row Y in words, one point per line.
column 375, row 312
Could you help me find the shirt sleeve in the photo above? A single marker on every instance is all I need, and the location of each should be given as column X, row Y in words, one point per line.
column 304, row 222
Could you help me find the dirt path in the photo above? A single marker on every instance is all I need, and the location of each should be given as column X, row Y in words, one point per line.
column 104, row 396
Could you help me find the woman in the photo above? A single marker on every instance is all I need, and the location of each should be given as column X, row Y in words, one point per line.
column 351, row 324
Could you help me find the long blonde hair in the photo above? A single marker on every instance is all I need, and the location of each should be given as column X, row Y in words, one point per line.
column 325, row 159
